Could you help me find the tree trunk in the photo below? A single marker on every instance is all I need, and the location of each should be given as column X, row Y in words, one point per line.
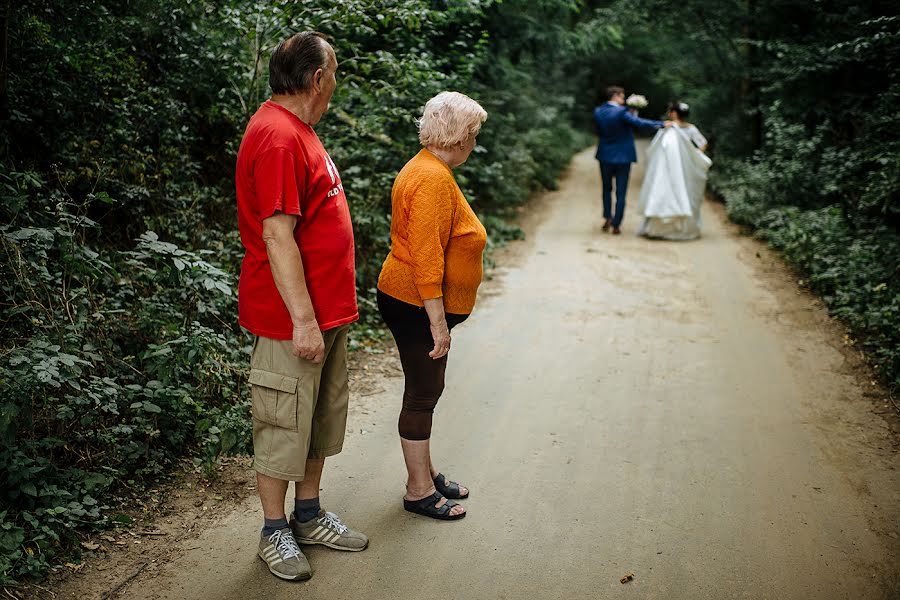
column 749, row 93
column 4, row 29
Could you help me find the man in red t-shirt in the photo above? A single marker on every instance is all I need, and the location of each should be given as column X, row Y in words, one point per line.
column 297, row 295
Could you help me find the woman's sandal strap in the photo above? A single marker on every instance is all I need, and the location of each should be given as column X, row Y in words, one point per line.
column 428, row 507
column 449, row 489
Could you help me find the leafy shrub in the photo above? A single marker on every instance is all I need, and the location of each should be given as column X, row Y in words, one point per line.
column 800, row 104
column 120, row 352
column 855, row 269
column 116, row 363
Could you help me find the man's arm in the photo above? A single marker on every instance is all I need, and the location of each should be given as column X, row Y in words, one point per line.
column 641, row 123
column 287, row 271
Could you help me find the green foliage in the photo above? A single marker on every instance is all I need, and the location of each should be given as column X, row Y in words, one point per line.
column 799, row 101
column 121, row 121
column 823, row 188
column 115, row 364
column 120, row 125
column 855, row 272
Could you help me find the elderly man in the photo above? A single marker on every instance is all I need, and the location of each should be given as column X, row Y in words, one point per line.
column 297, row 295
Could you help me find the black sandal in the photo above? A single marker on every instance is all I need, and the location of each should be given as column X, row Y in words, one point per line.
column 447, row 488
column 427, row 507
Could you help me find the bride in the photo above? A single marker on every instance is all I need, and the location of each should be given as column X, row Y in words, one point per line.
column 674, row 185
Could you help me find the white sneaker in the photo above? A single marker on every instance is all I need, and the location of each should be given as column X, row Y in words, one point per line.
column 283, row 556
column 327, row 530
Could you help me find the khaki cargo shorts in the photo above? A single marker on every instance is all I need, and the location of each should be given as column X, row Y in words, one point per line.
column 299, row 407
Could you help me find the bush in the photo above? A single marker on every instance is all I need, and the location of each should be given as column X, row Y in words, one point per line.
column 121, row 353
column 799, row 101
column 116, row 364
column 856, row 270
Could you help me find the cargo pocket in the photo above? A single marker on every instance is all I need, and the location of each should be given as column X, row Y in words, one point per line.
column 274, row 398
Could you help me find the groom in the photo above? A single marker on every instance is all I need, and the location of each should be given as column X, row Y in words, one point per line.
column 616, row 152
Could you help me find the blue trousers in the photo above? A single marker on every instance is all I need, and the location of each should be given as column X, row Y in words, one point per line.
column 618, row 172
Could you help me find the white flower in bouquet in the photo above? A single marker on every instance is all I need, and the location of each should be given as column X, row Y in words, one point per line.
column 636, row 101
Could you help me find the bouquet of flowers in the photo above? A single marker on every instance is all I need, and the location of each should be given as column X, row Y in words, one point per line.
column 636, row 101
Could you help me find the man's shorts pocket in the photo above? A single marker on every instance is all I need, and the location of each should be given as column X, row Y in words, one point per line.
column 274, row 398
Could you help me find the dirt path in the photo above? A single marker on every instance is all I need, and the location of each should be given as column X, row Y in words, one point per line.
column 676, row 410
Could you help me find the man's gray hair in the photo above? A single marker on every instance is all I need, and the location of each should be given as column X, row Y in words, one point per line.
column 296, row 60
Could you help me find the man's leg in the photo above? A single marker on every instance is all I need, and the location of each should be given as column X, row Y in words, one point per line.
column 606, row 177
column 309, row 487
column 271, row 495
column 621, row 175
column 329, row 422
column 277, row 546
column 277, row 442
column 306, row 492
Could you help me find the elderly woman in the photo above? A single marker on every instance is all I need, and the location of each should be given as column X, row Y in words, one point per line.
column 428, row 284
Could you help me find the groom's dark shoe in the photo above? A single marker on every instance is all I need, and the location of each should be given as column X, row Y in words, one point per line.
column 606, row 225
column 616, row 231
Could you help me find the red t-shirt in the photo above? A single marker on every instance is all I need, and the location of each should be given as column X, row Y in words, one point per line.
column 282, row 166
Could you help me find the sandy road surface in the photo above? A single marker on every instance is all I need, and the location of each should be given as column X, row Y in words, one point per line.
column 615, row 405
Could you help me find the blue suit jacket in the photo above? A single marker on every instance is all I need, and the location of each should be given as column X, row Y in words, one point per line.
column 615, row 126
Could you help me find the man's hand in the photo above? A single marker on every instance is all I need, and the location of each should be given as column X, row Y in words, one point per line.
column 668, row 123
column 441, row 335
column 308, row 341
column 287, row 271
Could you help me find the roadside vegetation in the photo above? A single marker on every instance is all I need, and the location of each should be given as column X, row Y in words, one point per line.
column 120, row 120
column 800, row 101
column 120, row 123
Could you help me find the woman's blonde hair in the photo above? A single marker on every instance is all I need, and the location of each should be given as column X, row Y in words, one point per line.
column 450, row 118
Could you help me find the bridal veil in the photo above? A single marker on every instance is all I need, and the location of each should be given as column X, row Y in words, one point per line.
column 673, row 188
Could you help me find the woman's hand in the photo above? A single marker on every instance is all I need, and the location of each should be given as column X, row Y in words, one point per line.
column 441, row 335
column 439, row 330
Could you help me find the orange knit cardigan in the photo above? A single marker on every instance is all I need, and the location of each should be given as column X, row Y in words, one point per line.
column 437, row 242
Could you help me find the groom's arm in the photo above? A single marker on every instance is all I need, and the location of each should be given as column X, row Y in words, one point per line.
column 641, row 123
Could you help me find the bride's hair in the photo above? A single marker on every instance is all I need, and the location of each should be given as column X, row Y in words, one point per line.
column 681, row 109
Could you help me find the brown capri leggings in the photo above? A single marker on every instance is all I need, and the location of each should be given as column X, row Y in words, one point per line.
column 424, row 375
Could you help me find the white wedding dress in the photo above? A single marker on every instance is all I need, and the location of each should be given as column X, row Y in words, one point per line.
column 674, row 185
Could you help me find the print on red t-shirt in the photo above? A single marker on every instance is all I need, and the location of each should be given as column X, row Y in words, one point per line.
column 282, row 166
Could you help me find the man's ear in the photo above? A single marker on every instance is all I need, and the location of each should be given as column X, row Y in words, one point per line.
column 317, row 78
